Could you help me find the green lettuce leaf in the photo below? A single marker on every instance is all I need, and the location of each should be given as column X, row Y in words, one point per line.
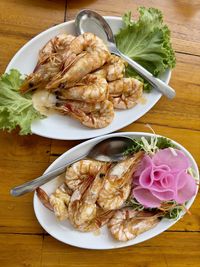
column 15, row 109
column 147, row 41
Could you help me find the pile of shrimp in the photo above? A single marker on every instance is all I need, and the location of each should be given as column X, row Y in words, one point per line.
column 86, row 79
column 94, row 194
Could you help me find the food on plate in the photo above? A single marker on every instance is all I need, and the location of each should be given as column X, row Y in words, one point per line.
column 153, row 181
column 146, row 41
column 50, row 62
column 93, row 115
column 90, row 89
column 77, row 71
column 81, row 170
column 125, row 92
column 117, row 184
column 127, row 223
column 15, row 109
column 112, row 70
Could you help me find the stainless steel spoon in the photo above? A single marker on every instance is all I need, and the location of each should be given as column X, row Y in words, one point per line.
column 109, row 150
column 158, row 84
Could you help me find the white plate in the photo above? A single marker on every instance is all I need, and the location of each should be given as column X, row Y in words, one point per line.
column 63, row 127
column 64, row 232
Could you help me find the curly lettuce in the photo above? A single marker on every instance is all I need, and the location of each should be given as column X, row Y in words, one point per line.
column 146, row 41
column 15, row 109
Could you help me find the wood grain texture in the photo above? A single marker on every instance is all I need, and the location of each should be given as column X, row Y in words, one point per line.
column 17, row 214
column 184, row 110
column 167, row 249
column 182, row 17
column 21, row 20
column 20, row 250
column 23, row 242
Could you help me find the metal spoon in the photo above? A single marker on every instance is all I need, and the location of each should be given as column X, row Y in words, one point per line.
column 155, row 82
column 108, row 150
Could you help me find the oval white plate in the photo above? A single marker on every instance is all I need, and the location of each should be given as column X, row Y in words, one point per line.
column 64, row 232
column 63, row 127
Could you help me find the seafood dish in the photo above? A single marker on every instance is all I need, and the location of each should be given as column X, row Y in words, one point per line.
column 82, row 80
column 129, row 197
column 71, row 87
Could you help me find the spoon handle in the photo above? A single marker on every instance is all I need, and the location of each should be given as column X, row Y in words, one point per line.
column 155, row 82
column 32, row 185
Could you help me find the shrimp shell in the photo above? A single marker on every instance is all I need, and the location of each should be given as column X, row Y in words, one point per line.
column 55, row 45
column 112, row 70
column 88, row 62
column 50, row 62
column 87, row 42
column 81, row 170
column 117, row 185
column 127, row 223
column 82, row 210
column 92, row 115
column 90, row 89
column 125, row 92
column 57, row 201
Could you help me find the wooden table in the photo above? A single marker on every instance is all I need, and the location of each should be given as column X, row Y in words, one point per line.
column 22, row 240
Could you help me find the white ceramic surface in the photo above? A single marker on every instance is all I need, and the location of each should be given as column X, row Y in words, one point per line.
column 63, row 127
column 64, row 232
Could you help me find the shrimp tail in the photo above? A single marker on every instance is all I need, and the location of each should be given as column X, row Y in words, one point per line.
column 44, row 198
column 58, row 81
column 71, row 111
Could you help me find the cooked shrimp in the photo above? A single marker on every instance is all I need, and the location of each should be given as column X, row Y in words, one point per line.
column 125, row 92
column 86, row 63
column 55, row 45
column 112, row 70
column 102, row 218
column 117, row 184
column 127, row 223
column 42, row 74
column 51, row 59
column 90, row 89
column 82, row 207
column 80, row 171
column 57, row 202
column 94, row 54
column 92, row 115
column 87, row 42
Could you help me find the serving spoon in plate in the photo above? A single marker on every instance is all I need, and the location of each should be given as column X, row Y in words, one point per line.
column 85, row 15
column 108, row 150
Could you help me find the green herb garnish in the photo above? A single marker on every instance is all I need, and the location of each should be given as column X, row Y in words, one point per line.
column 163, row 142
column 147, row 41
column 149, row 145
column 15, row 109
column 170, row 209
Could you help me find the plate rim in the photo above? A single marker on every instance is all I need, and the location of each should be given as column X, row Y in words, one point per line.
column 85, row 143
column 73, row 137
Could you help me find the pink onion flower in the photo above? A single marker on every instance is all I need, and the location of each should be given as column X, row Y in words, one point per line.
column 163, row 177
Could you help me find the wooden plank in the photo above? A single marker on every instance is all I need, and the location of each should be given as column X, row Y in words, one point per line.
column 167, row 249
column 16, row 213
column 182, row 17
column 20, row 250
column 184, row 110
column 21, row 20
column 29, row 17
column 188, row 138
column 24, row 148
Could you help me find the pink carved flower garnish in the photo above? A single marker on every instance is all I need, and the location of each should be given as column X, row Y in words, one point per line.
column 163, row 177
